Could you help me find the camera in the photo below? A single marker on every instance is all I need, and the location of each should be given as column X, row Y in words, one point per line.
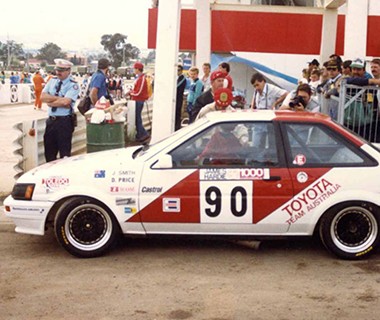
column 296, row 101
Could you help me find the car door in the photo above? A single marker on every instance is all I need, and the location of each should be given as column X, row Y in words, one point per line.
column 227, row 179
column 320, row 160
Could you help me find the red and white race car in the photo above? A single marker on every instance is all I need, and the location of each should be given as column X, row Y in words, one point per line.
column 240, row 173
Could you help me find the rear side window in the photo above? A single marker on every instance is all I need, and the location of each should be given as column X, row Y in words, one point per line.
column 313, row 144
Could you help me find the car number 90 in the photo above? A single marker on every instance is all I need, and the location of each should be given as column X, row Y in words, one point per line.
column 226, row 202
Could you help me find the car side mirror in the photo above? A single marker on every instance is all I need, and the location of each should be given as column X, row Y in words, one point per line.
column 165, row 161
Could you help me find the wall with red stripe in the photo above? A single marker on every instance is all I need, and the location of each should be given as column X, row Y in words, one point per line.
column 288, row 33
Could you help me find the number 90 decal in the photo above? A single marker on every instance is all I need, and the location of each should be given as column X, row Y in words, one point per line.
column 227, row 202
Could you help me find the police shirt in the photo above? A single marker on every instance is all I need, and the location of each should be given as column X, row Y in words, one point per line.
column 69, row 89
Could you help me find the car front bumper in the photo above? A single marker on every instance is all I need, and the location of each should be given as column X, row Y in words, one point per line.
column 28, row 216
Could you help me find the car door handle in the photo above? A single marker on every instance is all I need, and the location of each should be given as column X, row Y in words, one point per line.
column 273, row 178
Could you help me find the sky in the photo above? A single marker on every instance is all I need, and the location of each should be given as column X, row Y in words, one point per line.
column 73, row 25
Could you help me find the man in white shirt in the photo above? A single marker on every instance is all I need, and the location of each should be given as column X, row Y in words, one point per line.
column 266, row 96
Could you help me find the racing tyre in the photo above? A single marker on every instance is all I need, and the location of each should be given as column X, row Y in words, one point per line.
column 85, row 228
column 351, row 230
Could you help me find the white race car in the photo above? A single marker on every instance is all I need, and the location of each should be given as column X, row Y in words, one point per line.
column 238, row 173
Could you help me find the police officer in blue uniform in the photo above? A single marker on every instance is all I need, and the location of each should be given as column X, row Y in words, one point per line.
column 60, row 94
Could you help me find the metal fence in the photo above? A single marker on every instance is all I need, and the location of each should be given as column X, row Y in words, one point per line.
column 357, row 108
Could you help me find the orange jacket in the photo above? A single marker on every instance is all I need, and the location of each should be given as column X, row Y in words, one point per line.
column 38, row 82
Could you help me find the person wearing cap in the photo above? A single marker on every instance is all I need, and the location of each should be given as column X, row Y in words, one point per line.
column 313, row 64
column 266, row 96
column 358, row 69
column 98, row 84
column 217, row 81
column 222, row 101
column 38, row 83
column 139, row 94
column 60, row 94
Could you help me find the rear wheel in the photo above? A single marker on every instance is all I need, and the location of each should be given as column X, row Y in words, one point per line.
column 351, row 230
column 85, row 228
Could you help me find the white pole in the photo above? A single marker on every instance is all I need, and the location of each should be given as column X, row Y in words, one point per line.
column 203, row 38
column 355, row 39
column 329, row 27
column 165, row 80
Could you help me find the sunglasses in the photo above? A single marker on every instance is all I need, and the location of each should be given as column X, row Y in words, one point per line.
column 331, row 69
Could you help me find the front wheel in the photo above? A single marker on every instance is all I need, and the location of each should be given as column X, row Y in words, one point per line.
column 351, row 230
column 85, row 228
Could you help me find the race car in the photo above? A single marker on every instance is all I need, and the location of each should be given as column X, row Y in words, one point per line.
column 239, row 174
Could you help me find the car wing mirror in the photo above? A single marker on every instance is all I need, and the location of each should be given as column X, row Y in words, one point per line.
column 164, row 161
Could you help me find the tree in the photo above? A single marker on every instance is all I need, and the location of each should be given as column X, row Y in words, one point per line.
column 50, row 51
column 11, row 52
column 115, row 45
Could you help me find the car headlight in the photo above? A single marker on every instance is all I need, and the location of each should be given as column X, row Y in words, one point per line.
column 23, row 191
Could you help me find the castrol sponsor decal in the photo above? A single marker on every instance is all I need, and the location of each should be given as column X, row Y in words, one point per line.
column 309, row 199
column 234, row 174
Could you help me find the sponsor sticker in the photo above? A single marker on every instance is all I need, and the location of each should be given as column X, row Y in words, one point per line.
column 309, row 199
column 125, row 201
column 171, row 205
column 121, row 189
column 151, row 189
column 130, row 210
column 100, row 174
column 234, row 174
column 55, row 182
column 299, row 160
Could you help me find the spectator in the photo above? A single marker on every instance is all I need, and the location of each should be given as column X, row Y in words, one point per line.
column 375, row 68
column 139, row 94
column 217, row 81
column 98, row 85
column 313, row 64
column 13, row 78
column 206, row 76
column 300, row 100
column 181, row 84
column 358, row 69
column 225, row 67
column 60, row 94
column 315, row 80
column 346, row 68
column 334, row 72
column 222, row 101
column 2, row 77
column 337, row 59
column 38, row 83
column 266, row 96
column 195, row 90
column 305, row 76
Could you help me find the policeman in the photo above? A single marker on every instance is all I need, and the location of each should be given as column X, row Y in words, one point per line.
column 60, row 94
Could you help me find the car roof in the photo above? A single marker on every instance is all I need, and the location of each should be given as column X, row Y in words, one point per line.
column 265, row 115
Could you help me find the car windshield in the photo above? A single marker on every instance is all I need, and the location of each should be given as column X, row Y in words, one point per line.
column 155, row 147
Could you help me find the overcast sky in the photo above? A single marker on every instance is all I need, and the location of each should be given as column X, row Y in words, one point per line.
column 73, row 24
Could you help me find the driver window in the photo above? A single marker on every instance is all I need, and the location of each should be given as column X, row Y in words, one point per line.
column 229, row 144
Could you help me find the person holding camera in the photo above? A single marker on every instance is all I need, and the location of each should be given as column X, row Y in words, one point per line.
column 301, row 99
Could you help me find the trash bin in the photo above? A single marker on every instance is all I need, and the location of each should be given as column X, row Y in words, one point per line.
column 105, row 136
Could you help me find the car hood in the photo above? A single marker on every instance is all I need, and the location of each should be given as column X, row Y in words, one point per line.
column 82, row 165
